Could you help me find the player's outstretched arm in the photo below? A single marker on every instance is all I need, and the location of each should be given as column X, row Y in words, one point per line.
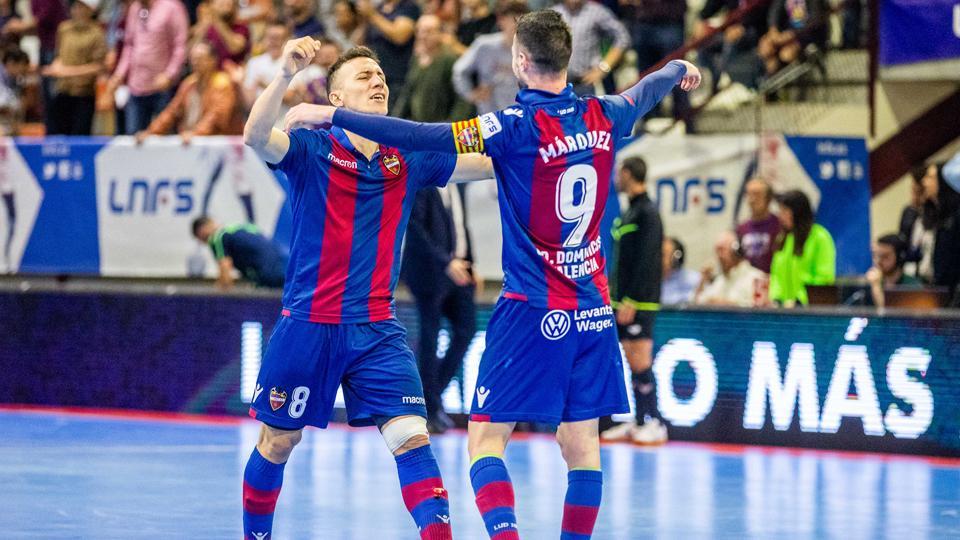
column 654, row 87
column 472, row 167
column 272, row 144
column 416, row 136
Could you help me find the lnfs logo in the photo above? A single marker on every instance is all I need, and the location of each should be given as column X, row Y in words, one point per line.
column 141, row 195
column 691, row 194
column 555, row 324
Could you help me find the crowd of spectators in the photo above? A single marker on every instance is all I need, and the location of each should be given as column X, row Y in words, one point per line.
column 113, row 66
column 779, row 251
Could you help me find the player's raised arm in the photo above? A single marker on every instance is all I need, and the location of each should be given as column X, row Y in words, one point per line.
column 270, row 143
column 645, row 95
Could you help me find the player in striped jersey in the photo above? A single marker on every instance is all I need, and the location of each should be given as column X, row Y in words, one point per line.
column 351, row 199
column 552, row 353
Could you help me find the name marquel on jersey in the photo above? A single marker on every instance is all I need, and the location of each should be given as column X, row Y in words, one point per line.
column 575, row 263
column 575, row 143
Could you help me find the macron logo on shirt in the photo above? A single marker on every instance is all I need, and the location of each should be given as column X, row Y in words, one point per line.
column 342, row 162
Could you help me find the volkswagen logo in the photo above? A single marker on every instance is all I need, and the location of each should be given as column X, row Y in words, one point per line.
column 555, row 324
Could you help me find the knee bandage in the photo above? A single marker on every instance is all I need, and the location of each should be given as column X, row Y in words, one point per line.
column 398, row 432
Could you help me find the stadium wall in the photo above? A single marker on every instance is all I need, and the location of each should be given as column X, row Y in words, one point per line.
column 854, row 380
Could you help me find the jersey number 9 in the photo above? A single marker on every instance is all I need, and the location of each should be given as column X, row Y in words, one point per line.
column 577, row 200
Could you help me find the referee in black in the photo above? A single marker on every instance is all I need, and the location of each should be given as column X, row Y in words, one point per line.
column 635, row 280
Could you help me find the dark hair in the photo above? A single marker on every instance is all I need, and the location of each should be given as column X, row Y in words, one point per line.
column 351, row 5
column 935, row 213
column 517, row 8
column 637, row 168
column 198, row 224
column 679, row 253
column 917, row 172
column 799, row 205
column 547, row 38
column 15, row 56
column 350, row 54
column 897, row 244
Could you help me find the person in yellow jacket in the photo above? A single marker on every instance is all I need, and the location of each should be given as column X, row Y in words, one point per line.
column 805, row 252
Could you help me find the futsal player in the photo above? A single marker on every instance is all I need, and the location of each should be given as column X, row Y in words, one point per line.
column 552, row 354
column 351, row 199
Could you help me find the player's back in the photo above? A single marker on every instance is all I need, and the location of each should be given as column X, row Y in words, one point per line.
column 553, row 156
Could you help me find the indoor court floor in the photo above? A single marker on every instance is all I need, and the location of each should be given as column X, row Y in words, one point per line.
column 68, row 474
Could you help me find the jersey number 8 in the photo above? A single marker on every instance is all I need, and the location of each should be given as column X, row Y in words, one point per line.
column 577, row 200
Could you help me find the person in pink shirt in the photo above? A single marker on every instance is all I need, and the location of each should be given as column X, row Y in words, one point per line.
column 154, row 50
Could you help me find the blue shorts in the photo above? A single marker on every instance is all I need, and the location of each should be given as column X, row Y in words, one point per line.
column 305, row 362
column 549, row 366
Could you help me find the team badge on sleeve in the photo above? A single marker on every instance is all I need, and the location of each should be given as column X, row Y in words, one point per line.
column 467, row 136
column 278, row 397
column 392, row 163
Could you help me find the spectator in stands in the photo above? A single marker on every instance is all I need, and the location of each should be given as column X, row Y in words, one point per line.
column 635, row 290
column 479, row 20
column 760, row 231
column 911, row 226
column 205, row 104
column 941, row 216
column 792, row 26
column 889, row 256
column 154, row 48
column 679, row 283
column 591, row 23
column 737, row 284
column 735, row 45
column 347, row 29
column 10, row 21
column 81, row 51
column 15, row 66
column 428, row 95
column 484, row 74
column 302, row 16
column 245, row 249
column 47, row 16
column 217, row 25
column 262, row 69
column 804, row 252
column 390, row 33
column 438, row 268
column 657, row 29
column 116, row 23
column 924, row 233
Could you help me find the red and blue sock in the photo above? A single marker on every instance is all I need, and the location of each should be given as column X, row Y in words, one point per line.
column 261, row 487
column 423, row 493
column 584, row 490
column 495, row 499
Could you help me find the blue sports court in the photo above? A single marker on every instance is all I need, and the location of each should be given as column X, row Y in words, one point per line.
column 71, row 474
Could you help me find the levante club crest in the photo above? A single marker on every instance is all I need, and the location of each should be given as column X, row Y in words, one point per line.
column 469, row 137
column 277, row 398
column 392, row 163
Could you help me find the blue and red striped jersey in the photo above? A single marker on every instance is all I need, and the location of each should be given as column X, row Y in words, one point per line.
column 554, row 158
column 349, row 216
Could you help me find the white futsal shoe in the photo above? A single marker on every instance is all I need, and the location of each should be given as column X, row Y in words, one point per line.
column 651, row 433
column 620, row 432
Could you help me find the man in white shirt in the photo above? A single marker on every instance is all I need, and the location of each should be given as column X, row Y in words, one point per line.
column 262, row 69
column 738, row 283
